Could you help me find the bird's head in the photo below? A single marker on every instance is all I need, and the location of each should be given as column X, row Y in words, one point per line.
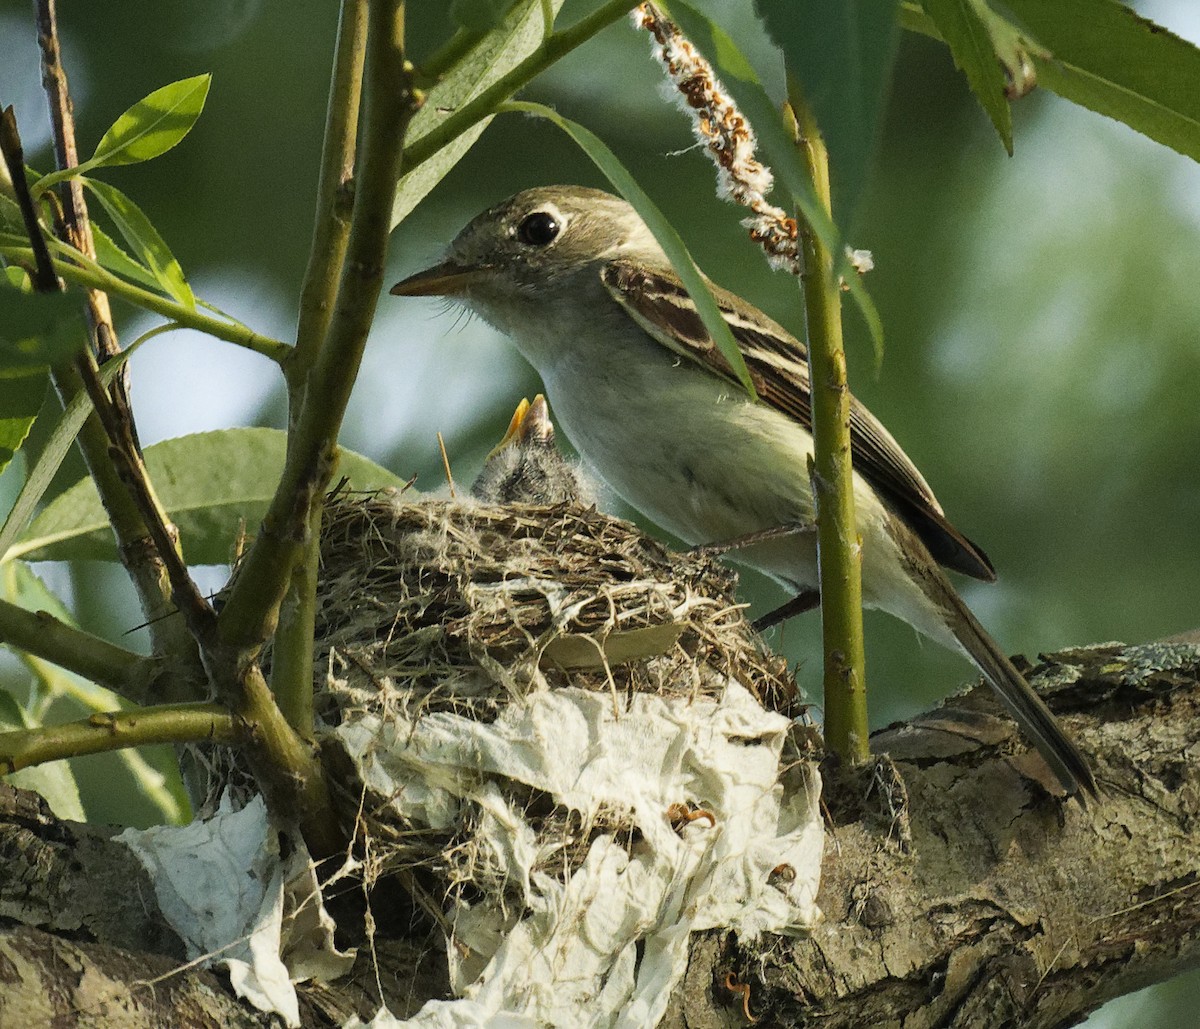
column 534, row 246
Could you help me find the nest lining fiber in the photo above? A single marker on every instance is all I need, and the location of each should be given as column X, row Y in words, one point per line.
column 459, row 606
column 462, row 607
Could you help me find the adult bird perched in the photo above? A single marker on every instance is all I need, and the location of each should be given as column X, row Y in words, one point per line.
column 526, row 467
column 578, row 282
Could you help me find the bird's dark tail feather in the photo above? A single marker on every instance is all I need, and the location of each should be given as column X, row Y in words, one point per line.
column 1030, row 711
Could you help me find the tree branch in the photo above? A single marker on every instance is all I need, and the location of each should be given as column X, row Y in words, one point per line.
column 292, row 654
column 44, row 279
column 117, row 730
column 143, row 564
column 41, row 634
column 251, row 611
column 958, row 893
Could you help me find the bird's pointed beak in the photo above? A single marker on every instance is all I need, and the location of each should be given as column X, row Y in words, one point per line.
column 442, row 280
column 512, row 433
column 536, row 425
column 530, row 423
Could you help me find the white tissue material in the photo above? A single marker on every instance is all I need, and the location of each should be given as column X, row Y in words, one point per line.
column 605, row 945
column 220, row 885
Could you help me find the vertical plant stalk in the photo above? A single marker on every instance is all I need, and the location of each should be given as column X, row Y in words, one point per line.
column 285, row 766
column 839, row 547
column 292, row 654
column 44, row 278
column 252, row 608
column 335, row 194
column 139, row 555
column 794, row 246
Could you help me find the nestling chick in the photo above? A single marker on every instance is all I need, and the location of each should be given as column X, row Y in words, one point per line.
column 526, row 466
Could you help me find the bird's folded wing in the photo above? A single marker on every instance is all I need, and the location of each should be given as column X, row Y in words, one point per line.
column 778, row 366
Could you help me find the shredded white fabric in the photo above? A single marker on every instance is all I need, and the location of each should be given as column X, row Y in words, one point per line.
column 539, row 948
column 570, row 957
column 220, row 884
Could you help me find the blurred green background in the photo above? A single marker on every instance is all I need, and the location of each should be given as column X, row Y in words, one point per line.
column 1040, row 311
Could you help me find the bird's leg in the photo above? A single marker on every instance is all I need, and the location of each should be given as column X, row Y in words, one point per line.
column 804, row 601
column 749, row 539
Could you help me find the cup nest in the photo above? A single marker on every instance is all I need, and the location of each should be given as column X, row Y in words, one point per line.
column 459, row 609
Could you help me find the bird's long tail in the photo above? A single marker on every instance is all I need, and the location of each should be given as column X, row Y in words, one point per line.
column 1030, row 711
column 947, row 619
column 1032, row 715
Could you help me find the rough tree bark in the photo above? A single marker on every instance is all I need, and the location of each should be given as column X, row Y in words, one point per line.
column 957, row 891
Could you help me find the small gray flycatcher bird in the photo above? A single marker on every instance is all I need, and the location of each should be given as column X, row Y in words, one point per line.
column 578, row 282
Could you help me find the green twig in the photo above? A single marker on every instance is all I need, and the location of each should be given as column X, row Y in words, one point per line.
column 41, row 634
column 840, row 548
column 95, row 277
column 552, row 48
column 334, row 193
column 251, row 611
column 292, row 651
column 117, row 730
column 292, row 655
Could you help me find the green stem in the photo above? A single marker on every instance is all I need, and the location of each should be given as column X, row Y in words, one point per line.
column 292, row 656
column 96, row 277
column 551, row 49
column 251, row 610
column 41, row 634
column 117, row 730
column 840, row 548
column 331, row 229
column 292, row 652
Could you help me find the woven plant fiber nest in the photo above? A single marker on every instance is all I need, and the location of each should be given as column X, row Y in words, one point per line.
column 524, row 707
column 436, row 605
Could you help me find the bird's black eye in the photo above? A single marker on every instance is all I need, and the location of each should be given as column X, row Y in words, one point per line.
column 538, row 229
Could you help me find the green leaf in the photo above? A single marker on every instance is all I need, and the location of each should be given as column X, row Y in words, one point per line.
column 518, row 35
column 841, row 52
column 58, row 444
column 961, row 25
column 144, row 240
column 21, row 397
column 211, row 483
column 677, row 253
column 36, row 329
column 153, row 125
column 110, row 255
column 780, row 150
column 1115, row 62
